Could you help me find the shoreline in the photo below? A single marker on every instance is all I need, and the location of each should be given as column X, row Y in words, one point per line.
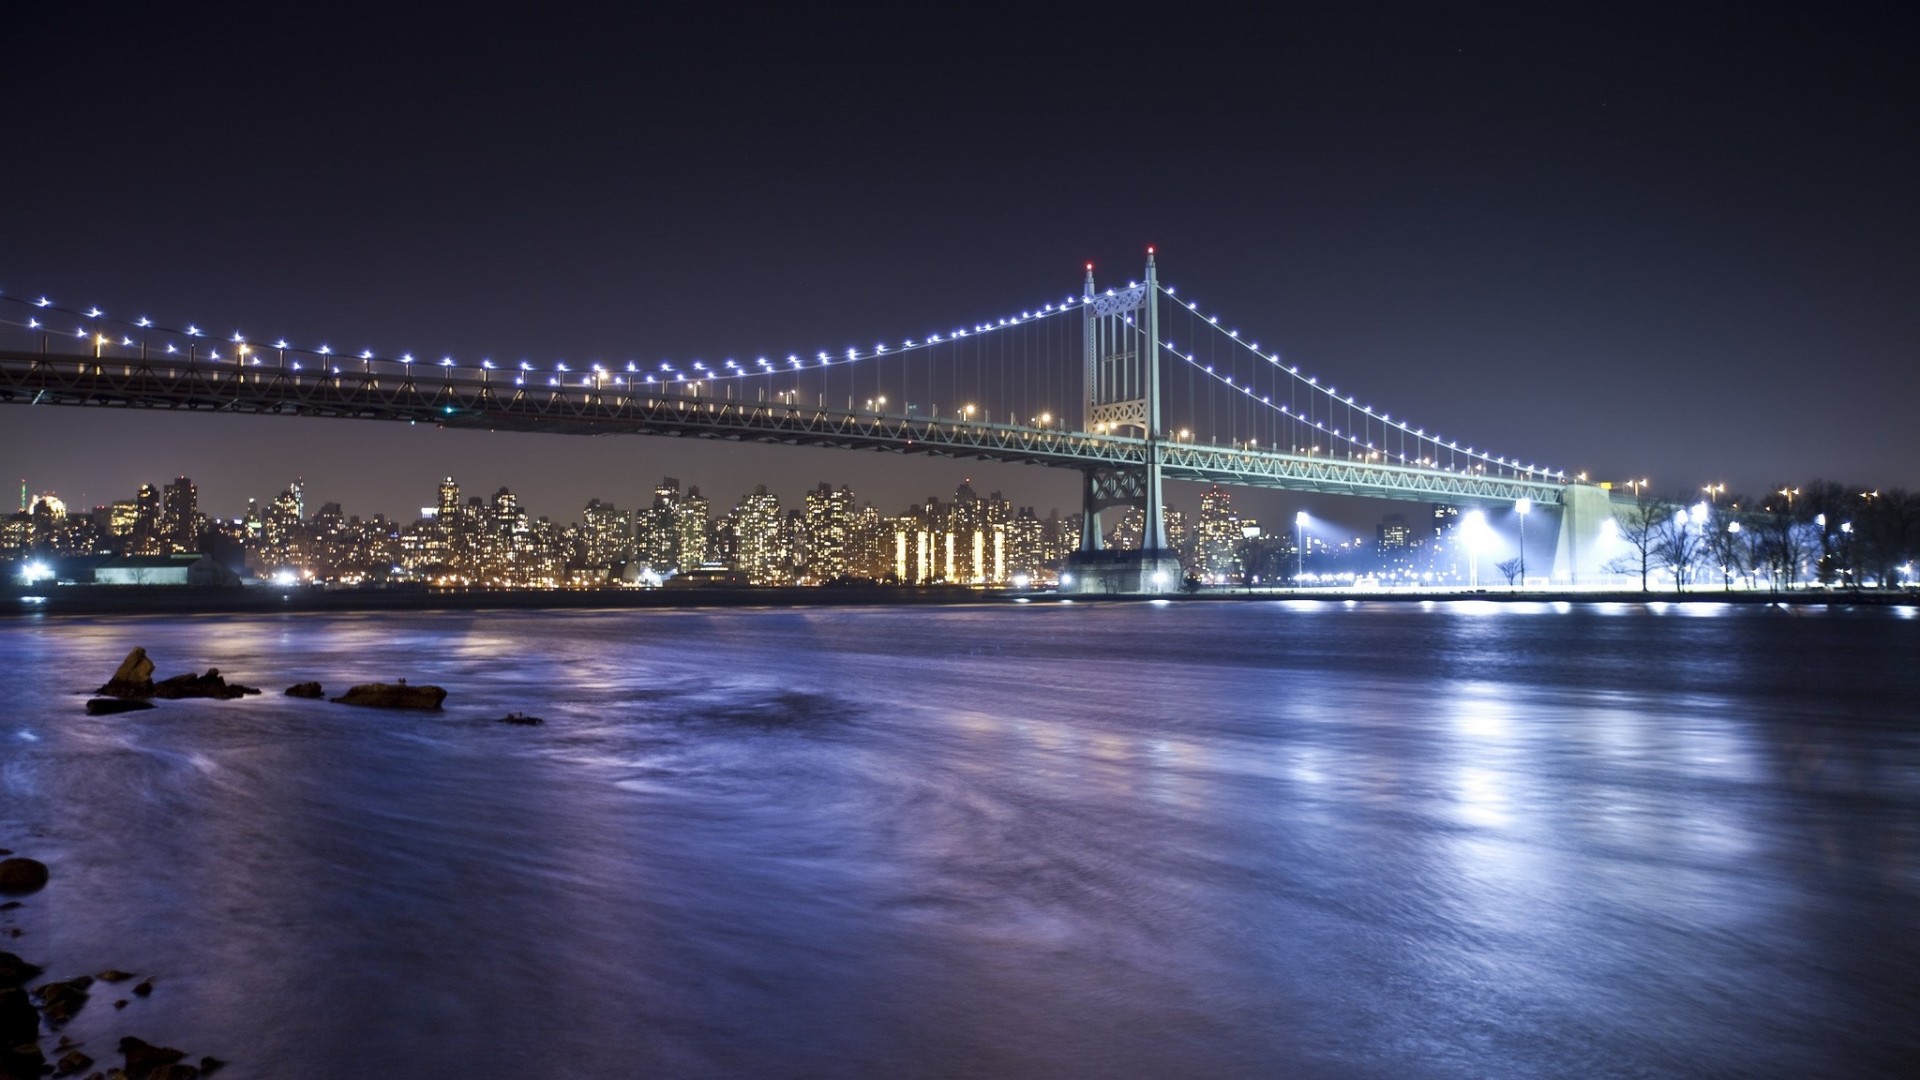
column 188, row 600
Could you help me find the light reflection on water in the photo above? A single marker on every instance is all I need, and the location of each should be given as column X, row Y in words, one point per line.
column 1287, row 838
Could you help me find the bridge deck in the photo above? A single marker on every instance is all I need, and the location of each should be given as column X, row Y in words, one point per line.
column 463, row 399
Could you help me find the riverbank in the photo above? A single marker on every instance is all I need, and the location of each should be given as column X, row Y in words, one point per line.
column 81, row 600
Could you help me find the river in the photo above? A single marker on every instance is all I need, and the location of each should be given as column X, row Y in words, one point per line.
column 1307, row 839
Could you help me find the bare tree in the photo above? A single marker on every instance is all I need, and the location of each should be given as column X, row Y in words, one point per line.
column 1889, row 532
column 1678, row 544
column 1780, row 543
column 1728, row 540
column 1510, row 569
column 1638, row 524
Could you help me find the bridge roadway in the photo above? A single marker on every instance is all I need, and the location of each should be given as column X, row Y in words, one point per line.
column 466, row 398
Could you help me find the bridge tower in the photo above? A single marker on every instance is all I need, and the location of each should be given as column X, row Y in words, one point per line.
column 1122, row 377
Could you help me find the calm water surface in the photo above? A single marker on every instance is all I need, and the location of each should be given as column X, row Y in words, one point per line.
column 1262, row 839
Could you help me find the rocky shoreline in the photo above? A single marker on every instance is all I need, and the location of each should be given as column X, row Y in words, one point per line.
column 32, row 1011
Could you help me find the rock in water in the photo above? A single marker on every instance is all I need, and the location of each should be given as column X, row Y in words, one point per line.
column 61, row 1000
column 306, row 689
column 521, row 718
column 22, row 875
column 393, row 696
column 22, row 1061
column 14, row 972
column 72, row 1062
column 143, row 1057
column 107, row 706
column 18, row 1022
column 133, row 679
column 210, row 685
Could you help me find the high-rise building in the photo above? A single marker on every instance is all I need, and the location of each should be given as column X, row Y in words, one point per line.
column 1219, row 539
column 870, row 555
column 829, row 539
column 693, row 523
column 1026, row 545
column 757, row 526
column 606, row 536
column 657, row 529
column 180, row 515
column 148, row 539
column 1393, row 535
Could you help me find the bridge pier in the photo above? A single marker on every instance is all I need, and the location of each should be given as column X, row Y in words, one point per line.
column 1584, row 513
column 1121, row 572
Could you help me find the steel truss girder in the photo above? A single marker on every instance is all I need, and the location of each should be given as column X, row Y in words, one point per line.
column 458, row 400
column 1109, row 486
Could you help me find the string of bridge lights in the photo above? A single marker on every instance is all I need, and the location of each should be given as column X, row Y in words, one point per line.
column 666, row 372
column 762, row 366
column 1312, row 383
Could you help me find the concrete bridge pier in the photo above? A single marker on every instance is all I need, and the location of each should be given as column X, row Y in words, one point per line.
column 1095, row 570
column 1585, row 511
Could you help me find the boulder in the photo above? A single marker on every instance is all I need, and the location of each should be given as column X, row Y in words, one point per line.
column 107, row 706
column 71, row 1062
column 393, row 696
column 15, row 972
column 521, row 718
column 19, row 875
column 18, row 1022
column 132, row 679
column 23, row 1061
column 306, row 689
column 61, row 1000
column 210, row 685
column 143, row 1057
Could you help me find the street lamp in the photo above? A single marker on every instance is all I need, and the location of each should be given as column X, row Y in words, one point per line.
column 1471, row 527
column 1299, row 547
column 1525, row 506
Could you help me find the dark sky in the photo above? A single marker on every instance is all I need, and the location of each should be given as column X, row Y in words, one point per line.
column 1637, row 241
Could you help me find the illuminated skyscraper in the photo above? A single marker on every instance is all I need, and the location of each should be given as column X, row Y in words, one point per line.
column 606, row 535
column 147, row 536
column 757, row 527
column 829, row 539
column 1219, row 538
column 180, row 516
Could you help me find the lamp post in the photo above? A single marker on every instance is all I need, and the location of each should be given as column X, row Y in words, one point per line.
column 1525, row 506
column 1299, row 547
column 1471, row 527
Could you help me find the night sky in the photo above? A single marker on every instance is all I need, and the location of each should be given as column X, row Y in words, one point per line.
column 1637, row 242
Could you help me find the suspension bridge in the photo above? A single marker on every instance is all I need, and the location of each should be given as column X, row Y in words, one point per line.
column 1129, row 385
